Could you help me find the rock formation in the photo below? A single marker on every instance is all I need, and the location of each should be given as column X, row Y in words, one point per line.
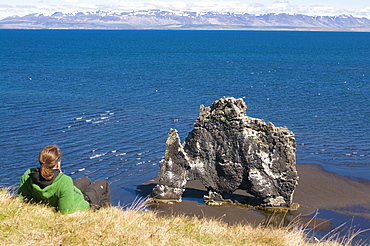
column 228, row 150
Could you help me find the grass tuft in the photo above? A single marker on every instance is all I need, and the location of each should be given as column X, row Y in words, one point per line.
column 37, row 224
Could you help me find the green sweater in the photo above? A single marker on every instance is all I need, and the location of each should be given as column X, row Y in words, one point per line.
column 61, row 194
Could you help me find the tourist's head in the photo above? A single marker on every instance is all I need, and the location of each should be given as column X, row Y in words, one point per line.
column 49, row 158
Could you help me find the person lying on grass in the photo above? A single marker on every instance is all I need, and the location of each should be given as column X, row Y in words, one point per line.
column 47, row 184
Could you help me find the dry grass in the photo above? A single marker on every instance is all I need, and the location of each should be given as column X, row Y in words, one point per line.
column 27, row 224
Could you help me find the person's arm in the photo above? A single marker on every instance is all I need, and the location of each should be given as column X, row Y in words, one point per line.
column 70, row 197
column 24, row 191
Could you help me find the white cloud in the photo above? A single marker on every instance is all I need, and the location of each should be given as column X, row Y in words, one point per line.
column 238, row 6
column 5, row 6
column 71, row 1
column 227, row 6
column 177, row 5
column 280, row 5
column 323, row 9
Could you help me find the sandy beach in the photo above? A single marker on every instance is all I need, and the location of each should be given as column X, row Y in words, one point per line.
column 318, row 190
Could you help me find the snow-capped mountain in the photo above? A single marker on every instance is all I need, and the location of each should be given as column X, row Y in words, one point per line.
column 165, row 19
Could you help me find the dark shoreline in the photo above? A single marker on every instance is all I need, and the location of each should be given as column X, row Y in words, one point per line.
column 337, row 196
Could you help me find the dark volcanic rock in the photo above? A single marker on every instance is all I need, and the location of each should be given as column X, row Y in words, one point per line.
column 228, row 150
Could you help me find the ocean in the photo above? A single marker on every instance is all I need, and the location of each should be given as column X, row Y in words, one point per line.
column 109, row 98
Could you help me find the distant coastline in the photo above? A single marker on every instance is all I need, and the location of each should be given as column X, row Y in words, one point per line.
column 194, row 29
column 186, row 20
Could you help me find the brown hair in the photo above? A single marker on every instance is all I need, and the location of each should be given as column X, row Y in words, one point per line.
column 48, row 158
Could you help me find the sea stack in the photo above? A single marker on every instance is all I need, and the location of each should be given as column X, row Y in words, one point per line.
column 228, row 150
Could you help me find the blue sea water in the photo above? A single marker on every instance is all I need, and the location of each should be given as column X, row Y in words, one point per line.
column 109, row 98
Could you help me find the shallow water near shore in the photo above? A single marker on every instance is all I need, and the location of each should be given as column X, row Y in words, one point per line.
column 342, row 226
column 330, row 206
column 109, row 98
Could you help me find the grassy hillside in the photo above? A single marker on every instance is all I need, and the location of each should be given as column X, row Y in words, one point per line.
column 27, row 224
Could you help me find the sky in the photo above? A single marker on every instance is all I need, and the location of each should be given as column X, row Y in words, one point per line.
column 358, row 8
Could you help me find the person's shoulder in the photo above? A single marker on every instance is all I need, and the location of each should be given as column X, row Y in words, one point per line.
column 26, row 175
column 28, row 171
column 63, row 183
column 63, row 178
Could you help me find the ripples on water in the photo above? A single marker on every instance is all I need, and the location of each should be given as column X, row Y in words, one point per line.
column 108, row 98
